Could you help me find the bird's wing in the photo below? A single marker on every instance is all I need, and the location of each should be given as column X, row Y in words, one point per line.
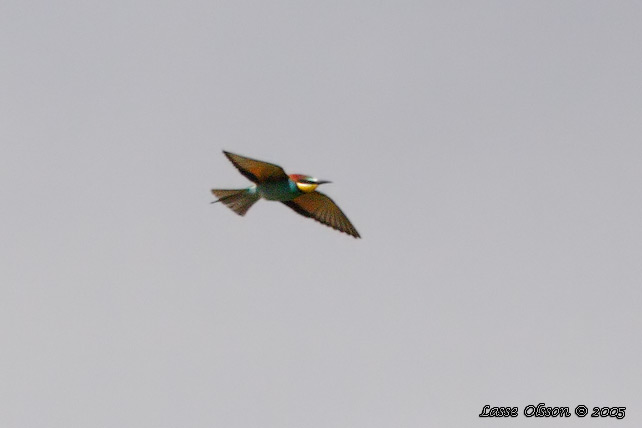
column 255, row 170
column 320, row 207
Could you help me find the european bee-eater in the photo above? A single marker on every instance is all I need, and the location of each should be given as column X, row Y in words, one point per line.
column 297, row 191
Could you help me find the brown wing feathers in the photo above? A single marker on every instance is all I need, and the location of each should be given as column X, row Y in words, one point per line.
column 321, row 208
column 255, row 170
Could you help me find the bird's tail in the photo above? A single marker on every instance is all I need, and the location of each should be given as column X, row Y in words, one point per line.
column 238, row 200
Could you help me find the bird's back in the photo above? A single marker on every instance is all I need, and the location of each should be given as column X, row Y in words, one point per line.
column 282, row 190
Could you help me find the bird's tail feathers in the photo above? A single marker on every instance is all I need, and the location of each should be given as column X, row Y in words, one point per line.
column 238, row 200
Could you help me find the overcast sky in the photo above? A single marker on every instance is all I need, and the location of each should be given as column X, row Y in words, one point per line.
column 488, row 152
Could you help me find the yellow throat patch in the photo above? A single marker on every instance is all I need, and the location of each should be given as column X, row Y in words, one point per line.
column 306, row 187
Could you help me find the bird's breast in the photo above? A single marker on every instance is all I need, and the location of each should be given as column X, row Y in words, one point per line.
column 278, row 190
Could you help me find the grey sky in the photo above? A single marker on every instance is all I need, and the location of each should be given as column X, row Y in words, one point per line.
column 488, row 152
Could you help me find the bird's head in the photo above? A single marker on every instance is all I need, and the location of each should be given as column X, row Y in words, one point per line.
column 305, row 183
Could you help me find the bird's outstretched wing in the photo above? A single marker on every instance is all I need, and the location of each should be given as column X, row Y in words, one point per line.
column 256, row 170
column 320, row 207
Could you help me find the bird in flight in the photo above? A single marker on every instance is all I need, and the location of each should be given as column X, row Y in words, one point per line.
column 297, row 191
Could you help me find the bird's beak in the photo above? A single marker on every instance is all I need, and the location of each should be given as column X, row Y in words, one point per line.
column 323, row 182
